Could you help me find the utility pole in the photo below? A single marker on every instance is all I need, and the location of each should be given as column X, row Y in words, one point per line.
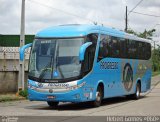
column 126, row 21
column 22, row 42
column 154, row 46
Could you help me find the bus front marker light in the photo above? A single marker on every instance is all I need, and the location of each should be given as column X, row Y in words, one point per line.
column 90, row 95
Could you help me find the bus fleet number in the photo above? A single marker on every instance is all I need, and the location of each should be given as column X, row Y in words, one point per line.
column 108, row 65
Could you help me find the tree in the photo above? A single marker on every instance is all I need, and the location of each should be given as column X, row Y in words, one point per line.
column 146, row 34
column 156, row 59
column 132, row 32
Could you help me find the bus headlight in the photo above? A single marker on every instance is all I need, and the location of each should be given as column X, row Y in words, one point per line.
column 30, row 86
column 77, row 86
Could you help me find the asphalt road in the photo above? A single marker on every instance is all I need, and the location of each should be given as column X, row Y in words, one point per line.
column 148, row 104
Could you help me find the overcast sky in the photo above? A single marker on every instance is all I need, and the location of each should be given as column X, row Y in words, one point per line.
column 40, row 14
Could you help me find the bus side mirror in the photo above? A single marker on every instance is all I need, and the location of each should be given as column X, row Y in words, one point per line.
column 22, row 50
column 83, row 49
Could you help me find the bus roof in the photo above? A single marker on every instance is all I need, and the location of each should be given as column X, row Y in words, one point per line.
column 77, row 30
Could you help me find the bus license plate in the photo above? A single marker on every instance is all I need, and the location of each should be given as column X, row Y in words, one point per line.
column 51, row 97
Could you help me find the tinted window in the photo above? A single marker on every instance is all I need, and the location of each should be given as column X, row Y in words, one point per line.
column 148, row 51
column 132, row 49
column 90, row 52
column 103, row 47
column 115, row 47
column 123, row 48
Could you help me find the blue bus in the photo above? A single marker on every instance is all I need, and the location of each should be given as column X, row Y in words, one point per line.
column 79, row 63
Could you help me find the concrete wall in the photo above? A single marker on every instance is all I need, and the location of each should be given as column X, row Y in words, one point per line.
column 9, row 68
column 9, row 81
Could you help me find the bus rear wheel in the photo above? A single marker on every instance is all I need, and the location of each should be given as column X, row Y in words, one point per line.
column 99, row 96
column 136, row 95
column 52, row 104
column 138, row 91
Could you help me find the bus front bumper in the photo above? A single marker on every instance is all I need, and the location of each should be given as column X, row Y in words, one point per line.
column 54, row 92
column 71, row 96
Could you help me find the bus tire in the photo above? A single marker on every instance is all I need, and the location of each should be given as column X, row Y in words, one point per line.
column 52, row 104
column 99, row 97
column 136, row 95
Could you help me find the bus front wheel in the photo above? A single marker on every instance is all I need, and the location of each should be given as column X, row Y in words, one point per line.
column 52, row 104
column 99, row 96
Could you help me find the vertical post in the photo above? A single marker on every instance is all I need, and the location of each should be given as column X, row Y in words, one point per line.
column 126, row 21
column 22, row 42
column 153, row 56
column 154, row 46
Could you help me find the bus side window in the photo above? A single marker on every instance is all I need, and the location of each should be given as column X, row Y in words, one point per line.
column 123, row 48
column 92, row 38
column 148, row 51
column 114, row 47
column 140, row 52
column 103, row 47
column 90, row 52
column 132, row 49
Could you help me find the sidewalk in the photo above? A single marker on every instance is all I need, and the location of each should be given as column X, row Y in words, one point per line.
column 155, row 87
column 10, row 97
column 155, row 80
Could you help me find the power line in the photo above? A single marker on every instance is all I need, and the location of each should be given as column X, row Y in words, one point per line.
column 127, row 14
column 135, row 7
column 145, row 14
column 68, row 13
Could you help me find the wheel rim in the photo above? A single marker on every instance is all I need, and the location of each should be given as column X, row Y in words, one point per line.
column 138, row 91
column 98, row 96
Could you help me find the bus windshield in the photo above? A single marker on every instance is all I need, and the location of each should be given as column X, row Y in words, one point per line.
column 55, row 58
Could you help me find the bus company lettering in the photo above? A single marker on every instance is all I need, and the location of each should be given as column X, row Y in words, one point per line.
column 61, row 85
column 108, row 65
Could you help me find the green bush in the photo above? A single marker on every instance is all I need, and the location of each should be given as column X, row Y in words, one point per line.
column 23, row 93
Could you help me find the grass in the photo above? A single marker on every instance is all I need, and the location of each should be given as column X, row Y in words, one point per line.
column 10, row 97
column 155, row 73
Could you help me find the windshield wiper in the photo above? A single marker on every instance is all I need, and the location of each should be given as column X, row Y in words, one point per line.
column 44, row 70
column 47, row 66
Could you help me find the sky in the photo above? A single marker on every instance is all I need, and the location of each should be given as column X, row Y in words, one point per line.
column 40, row 14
